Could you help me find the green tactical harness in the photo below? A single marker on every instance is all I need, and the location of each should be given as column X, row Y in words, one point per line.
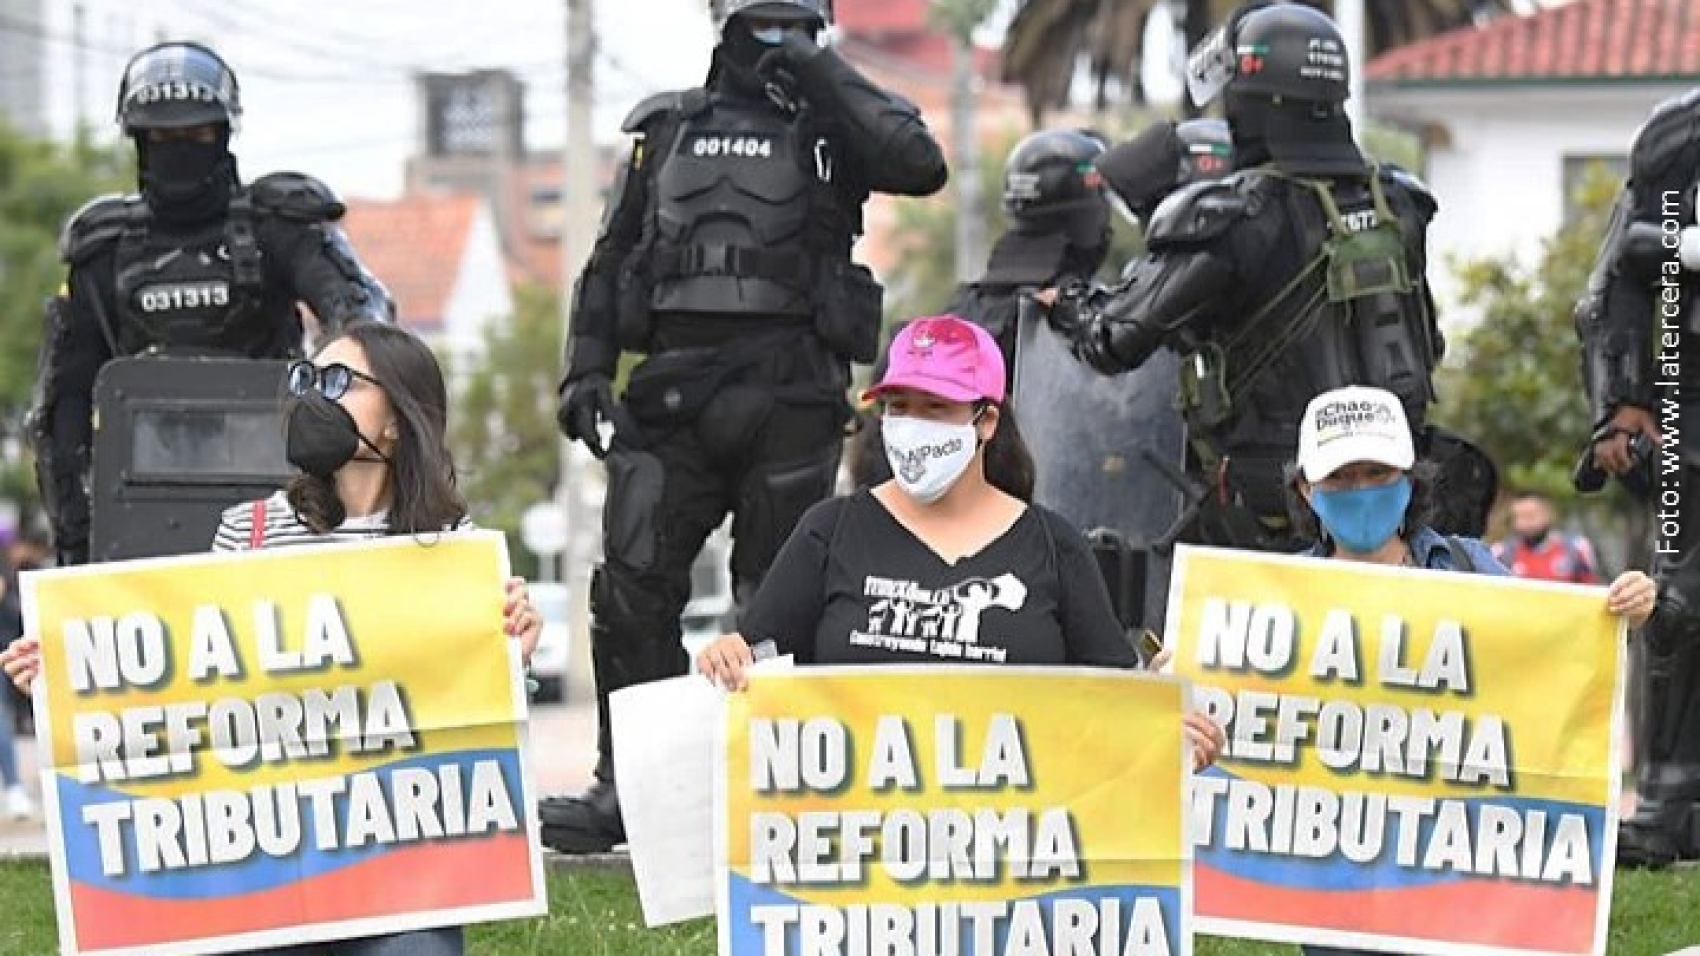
column 1357, row 265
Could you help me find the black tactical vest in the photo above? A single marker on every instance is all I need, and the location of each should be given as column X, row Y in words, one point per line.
column 733, row 205
column 198, row 291
column 1315, row 340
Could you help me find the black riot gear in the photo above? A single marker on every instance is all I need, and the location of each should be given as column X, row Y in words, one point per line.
column 817, row 11
column 1051, row 172
column 725, row 256
column 1138, row 173
column 1638, row 320
column 198, row 264
column 1287, row 279
column 177, row 85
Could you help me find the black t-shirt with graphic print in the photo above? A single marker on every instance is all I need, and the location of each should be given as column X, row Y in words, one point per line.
column 852, row 585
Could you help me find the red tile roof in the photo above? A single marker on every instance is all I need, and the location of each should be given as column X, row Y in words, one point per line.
column 1582, row 40
column 880, row 16
column 414, row 245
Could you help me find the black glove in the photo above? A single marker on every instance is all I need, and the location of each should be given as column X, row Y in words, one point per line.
column 1140, row 172
column 586, row 401
column 1068, row 313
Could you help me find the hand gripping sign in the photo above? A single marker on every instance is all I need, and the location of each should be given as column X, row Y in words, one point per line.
column 282, row 747
column 953, row 809
column 1417, row 762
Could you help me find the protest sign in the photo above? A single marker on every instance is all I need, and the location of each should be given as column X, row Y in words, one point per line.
column 665, row 735
column 1417, row 762
column 942, row 810
column 279, row 747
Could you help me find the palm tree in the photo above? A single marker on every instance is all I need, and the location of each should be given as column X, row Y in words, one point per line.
column 1047, row 38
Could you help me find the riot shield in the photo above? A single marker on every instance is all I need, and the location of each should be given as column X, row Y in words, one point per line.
column 176, row 441
column 1092, row 438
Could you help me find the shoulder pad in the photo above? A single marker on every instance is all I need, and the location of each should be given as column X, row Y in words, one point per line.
column 296, row 196
column 1411, row 183
column 683, row 102
column 1199, row 212
column 1670, row 138
column 99, row 222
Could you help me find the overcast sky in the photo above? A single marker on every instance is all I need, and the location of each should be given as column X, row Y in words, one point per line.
column 326, row 84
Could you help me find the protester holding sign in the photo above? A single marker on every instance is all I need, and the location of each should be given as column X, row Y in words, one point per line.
column 948, row 562
column 366, row 424
column 1357, row 488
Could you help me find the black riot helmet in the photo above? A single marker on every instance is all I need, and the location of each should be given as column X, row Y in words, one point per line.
column 1287, row 51
column 1141, row 172
column 819, row 12
column 175, row 85
column 1207, row 150
column 1051, row 172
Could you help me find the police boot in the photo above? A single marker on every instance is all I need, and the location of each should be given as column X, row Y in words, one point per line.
column 1667, row 728
column 590, row 822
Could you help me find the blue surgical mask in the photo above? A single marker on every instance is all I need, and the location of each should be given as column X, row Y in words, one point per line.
column 1361, row 520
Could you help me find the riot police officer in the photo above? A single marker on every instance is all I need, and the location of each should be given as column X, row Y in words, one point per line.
column 1301, row 272
column 725, row 255
column 197, row 262
column 1638, row 322
column 1059, row 232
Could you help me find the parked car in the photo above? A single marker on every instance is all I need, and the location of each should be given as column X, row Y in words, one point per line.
column 549, row 660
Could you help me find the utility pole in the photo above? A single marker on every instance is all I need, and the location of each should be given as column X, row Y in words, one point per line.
column 960, row 18
column 965, row 158
column 579, row 174
column 79, row 68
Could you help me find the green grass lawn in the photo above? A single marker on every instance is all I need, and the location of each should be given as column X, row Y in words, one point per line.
column 594, row 912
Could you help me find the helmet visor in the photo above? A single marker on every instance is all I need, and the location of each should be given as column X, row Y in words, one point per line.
column 1210, row 67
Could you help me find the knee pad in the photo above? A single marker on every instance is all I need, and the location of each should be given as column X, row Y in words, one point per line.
column 635, row 481
column 769, row 505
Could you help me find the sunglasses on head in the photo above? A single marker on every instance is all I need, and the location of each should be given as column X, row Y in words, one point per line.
column 332, row 381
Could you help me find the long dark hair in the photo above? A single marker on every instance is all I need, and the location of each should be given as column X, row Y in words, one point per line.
column 1009, row 463
column 423, row 496
column 1418, row 514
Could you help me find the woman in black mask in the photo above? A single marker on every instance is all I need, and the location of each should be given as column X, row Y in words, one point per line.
column 366, row 422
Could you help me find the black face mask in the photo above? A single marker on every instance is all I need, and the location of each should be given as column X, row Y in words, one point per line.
column 1534, row 538
column 320, row 436
column 186, row 181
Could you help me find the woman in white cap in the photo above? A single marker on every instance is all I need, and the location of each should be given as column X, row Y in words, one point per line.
column 1357, row 488
column 949, row 561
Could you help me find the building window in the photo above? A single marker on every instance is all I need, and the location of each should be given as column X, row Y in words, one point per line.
column 1579, row 169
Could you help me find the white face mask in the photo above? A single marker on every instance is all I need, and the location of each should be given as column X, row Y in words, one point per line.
column 928, row 457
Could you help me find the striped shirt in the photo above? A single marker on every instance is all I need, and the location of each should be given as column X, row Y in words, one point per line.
column 282, row 527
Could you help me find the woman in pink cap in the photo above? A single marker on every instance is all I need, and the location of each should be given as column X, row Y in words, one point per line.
column 948, row 562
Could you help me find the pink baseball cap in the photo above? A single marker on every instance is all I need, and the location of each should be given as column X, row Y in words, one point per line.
column 944, row 356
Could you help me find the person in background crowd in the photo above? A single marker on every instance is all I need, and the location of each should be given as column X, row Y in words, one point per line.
column 19, row 806
column 1535, row 550
column 1011, row 579
column 1358, row 488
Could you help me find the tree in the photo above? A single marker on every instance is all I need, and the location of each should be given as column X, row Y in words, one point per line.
column 41, row 184
column 502, row 430
column 1048, row 39
column 1512, row 382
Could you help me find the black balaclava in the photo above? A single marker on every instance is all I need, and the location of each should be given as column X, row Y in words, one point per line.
column 1248, row 120
column 186, row 182
column 735, row 60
